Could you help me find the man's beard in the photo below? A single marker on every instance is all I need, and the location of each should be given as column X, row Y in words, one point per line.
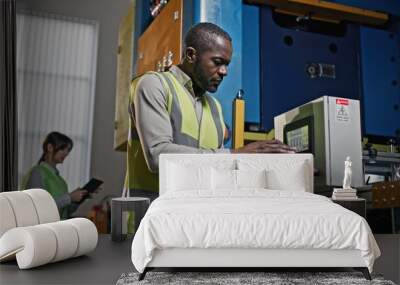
column 202, row 81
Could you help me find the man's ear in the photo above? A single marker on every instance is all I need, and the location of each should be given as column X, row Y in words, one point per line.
column 191, row 54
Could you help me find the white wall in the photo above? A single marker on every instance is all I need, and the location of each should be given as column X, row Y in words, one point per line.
column 106, row 163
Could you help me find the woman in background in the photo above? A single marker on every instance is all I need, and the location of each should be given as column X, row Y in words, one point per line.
column 45, row 174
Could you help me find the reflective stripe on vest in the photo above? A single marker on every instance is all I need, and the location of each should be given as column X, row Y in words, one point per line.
column 185, row 125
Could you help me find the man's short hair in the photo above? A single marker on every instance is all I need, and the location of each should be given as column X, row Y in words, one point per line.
column 202, row 36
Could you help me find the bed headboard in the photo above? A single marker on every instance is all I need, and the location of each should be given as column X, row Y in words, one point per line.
column 286, row 164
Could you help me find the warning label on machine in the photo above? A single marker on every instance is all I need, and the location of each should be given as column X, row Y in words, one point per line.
column 342, row 110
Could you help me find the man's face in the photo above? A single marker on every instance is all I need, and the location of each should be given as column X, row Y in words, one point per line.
column 211, row 66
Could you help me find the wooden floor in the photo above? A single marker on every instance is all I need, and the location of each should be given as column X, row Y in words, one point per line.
column 106, row 264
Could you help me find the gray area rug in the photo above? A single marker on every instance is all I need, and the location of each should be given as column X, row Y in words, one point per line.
column 225, row 278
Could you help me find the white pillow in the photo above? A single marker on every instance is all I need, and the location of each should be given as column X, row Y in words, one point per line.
column 188, row 177
column 251, row 178
column 226, row 179
column 292, row 179
column 282, row 174
column 223, row 179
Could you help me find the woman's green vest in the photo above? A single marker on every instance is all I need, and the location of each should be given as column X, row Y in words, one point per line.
column 52, row 183
column 208, row 134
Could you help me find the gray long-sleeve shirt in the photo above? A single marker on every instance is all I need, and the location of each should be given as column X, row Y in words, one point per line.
column 150, row 114
column 35, row 181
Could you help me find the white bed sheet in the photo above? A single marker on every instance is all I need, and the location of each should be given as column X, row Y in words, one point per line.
column 252, row 218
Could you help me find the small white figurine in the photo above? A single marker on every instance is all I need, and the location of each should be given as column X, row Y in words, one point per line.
column 347, row 174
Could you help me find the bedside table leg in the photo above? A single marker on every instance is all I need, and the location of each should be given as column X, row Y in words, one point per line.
column 392, row 216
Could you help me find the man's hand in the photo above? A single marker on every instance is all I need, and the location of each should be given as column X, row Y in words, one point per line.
column 272, row 146
column 77, row 195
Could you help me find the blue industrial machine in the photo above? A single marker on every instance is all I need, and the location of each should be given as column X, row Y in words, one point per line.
column 300, row 62
column 380, row 71
column 282, row 61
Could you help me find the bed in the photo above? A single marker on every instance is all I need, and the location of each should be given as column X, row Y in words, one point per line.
column 246, row 211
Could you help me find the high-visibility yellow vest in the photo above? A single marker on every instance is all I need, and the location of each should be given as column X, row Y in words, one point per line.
column 208, row 134
column 52, row 183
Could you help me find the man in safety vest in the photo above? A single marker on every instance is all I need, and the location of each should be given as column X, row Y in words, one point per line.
column 171, row 112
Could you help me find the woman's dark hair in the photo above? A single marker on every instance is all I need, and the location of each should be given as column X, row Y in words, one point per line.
column 58, row 140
